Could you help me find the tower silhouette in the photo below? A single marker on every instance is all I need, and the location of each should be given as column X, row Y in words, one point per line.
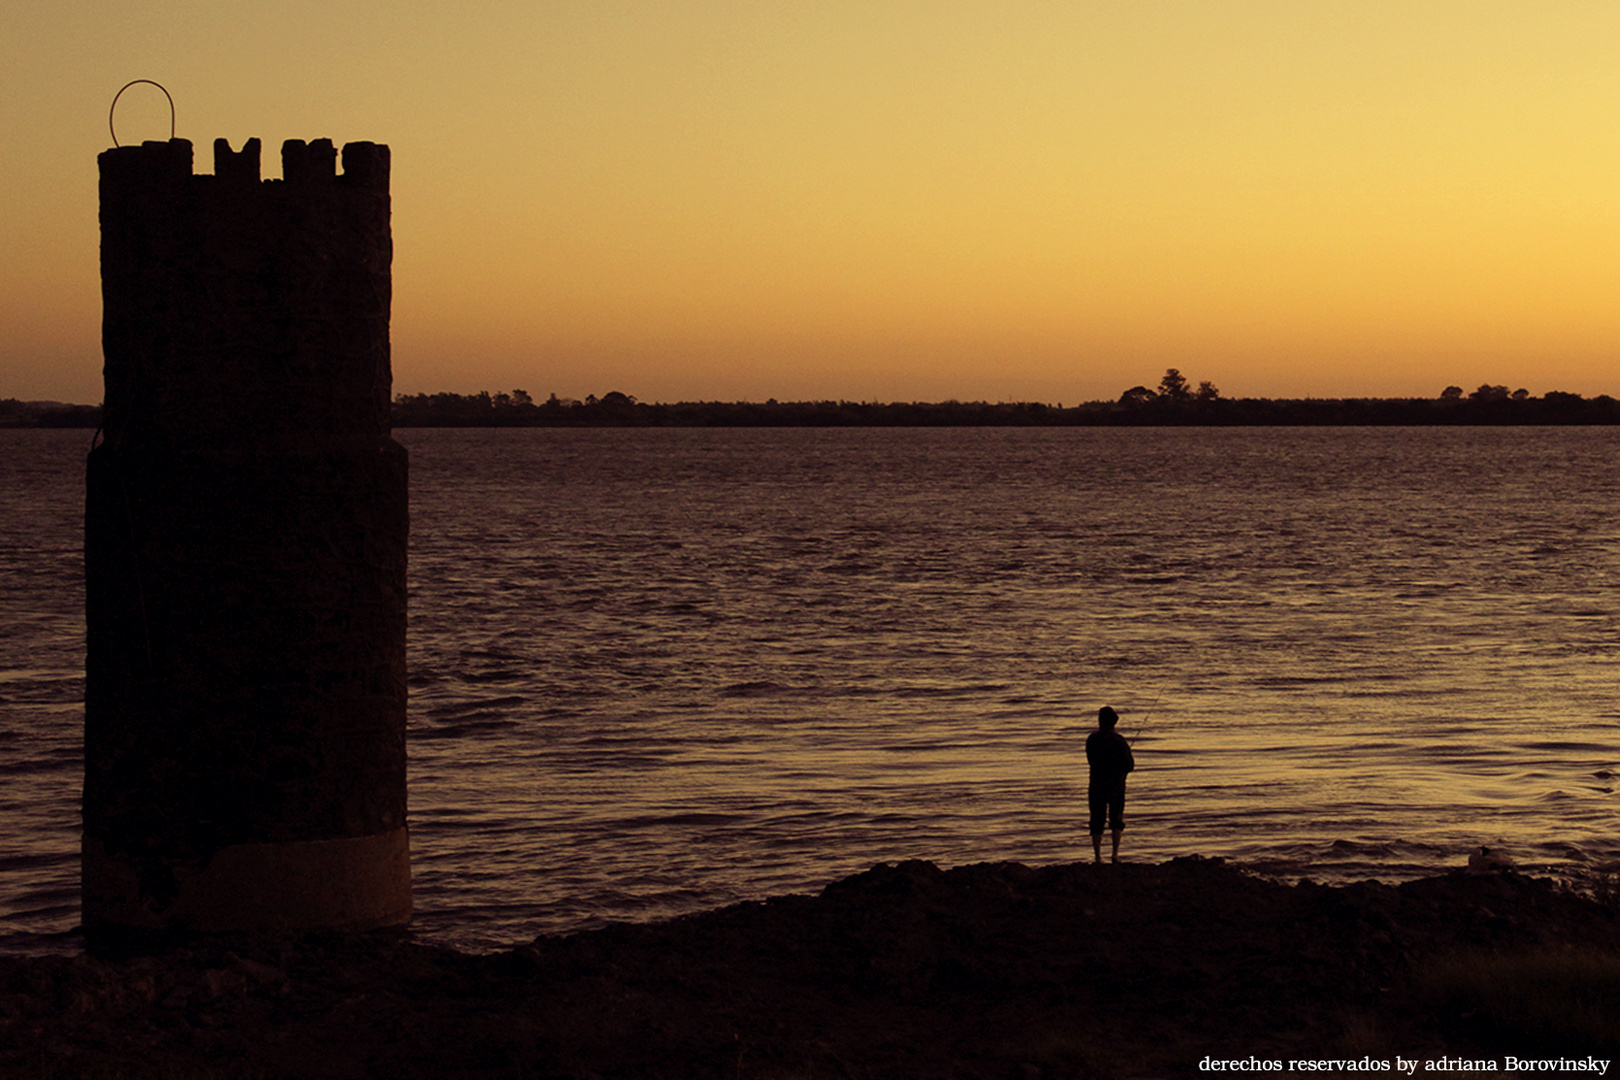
column 246, row 523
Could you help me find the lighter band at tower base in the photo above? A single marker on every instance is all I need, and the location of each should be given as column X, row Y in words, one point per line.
column 351, row 883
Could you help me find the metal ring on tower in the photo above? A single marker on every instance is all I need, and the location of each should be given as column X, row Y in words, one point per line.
column 120, row 94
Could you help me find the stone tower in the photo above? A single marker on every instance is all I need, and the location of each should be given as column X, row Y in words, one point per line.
column 245, row 547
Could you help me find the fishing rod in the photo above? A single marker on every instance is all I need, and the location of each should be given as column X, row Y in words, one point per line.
column 1145, row 718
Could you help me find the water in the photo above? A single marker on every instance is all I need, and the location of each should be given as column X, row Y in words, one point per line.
column 659, row 671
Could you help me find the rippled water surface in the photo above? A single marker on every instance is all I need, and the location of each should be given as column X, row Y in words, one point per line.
column 653, row 671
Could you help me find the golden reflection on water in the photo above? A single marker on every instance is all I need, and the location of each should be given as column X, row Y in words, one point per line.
column 654, row 671
column 767, row 659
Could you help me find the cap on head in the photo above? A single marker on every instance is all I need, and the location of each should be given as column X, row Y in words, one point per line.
column 1107, row 717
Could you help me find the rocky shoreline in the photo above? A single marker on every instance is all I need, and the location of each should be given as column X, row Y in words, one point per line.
column 992, row 970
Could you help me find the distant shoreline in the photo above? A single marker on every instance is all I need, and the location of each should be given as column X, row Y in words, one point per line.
column 619, row 410
column 48, row 414
column 485, row 410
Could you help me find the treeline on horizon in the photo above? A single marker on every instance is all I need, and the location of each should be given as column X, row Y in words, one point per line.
column 47, row 414
column 1173, row 403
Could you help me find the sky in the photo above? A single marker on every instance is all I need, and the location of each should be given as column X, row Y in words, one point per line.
column 874, row 200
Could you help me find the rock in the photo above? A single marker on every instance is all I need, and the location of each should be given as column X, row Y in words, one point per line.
column 986, row 971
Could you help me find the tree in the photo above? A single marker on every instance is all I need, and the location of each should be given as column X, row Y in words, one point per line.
column 1174, row 386
column 1207, row 391
column 1138, row 396
column 1451, row 393
column 1489, row 393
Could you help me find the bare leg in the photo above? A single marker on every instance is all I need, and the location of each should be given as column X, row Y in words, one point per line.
column 1116, row 847
column 1096, row 845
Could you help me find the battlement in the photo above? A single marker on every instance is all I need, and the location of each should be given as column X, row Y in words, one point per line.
column 365, row 164
column 240, row 307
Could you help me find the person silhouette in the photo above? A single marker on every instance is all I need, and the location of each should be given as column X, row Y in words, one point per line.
column 1109, row 756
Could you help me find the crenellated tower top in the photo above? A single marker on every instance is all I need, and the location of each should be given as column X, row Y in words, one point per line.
column 235, row 307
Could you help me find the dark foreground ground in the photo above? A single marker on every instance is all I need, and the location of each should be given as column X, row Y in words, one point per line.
column 997, row 971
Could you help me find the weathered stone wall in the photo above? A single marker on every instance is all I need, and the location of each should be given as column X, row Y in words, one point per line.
column 245, row 546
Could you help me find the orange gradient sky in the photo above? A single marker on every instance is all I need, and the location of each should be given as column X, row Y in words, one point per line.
column 877, row 200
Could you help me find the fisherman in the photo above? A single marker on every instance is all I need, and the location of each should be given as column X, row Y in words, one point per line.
column 1110, row 758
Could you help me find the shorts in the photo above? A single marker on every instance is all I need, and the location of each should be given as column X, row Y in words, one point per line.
column 1109, row 805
